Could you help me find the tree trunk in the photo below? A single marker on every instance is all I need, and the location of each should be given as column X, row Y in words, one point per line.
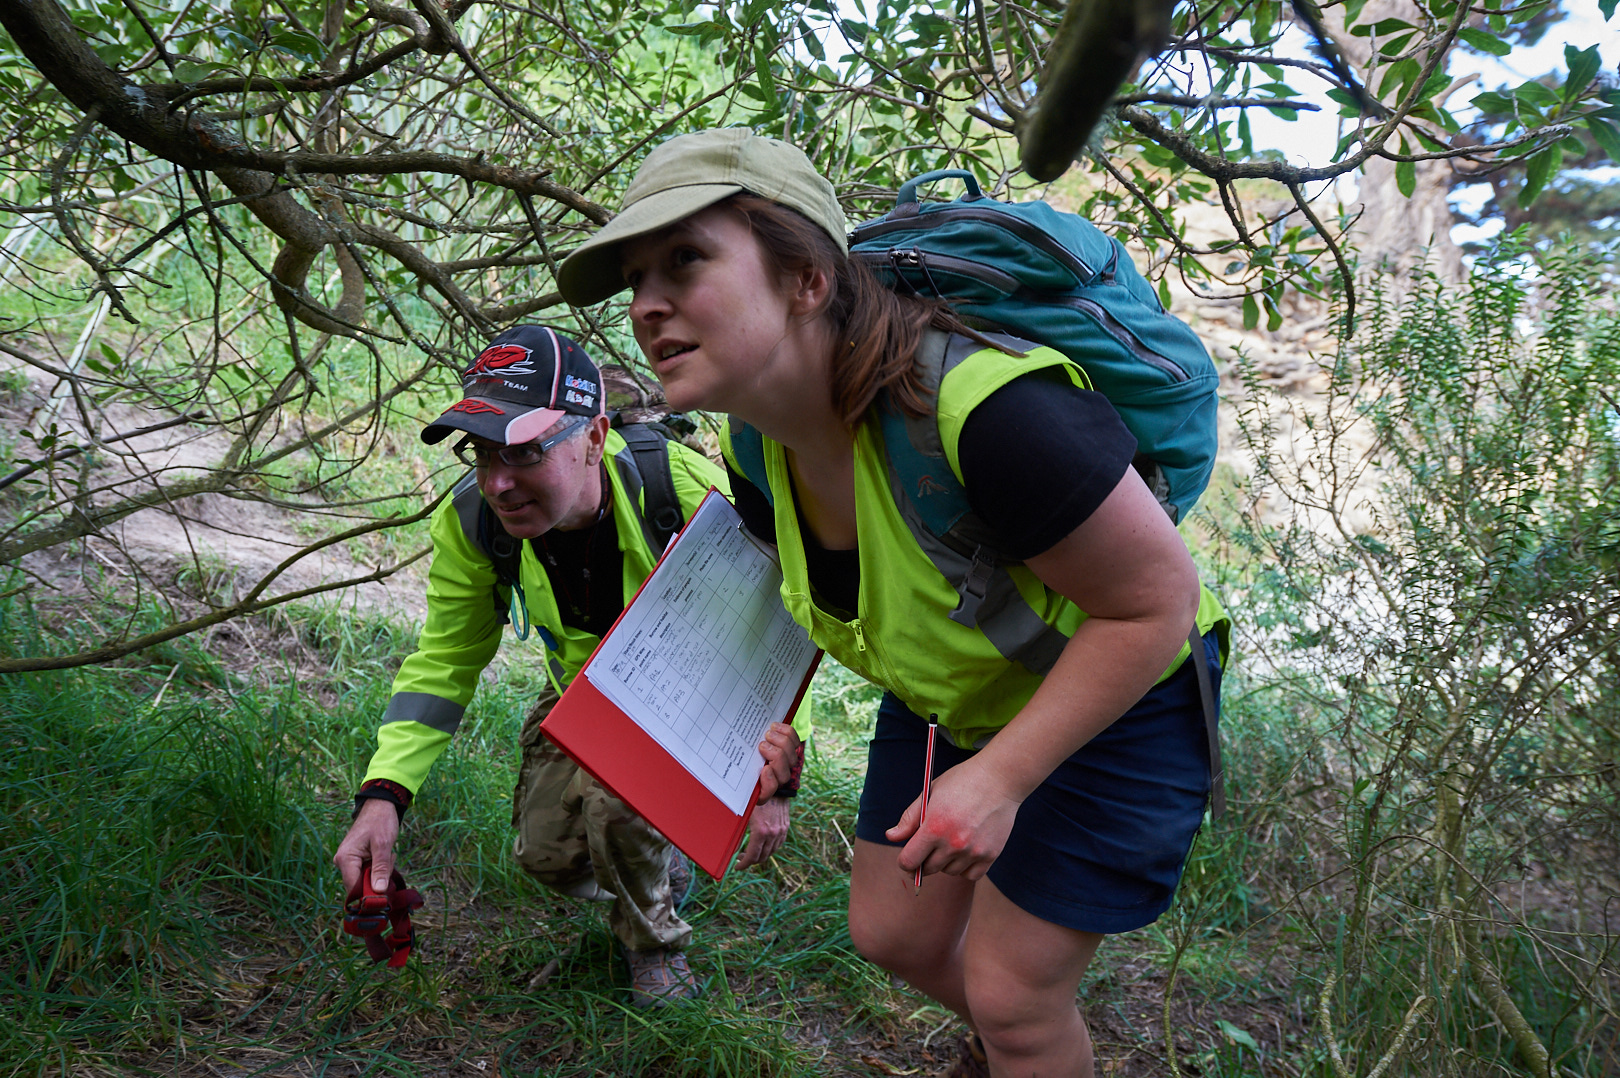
column 1396, row 233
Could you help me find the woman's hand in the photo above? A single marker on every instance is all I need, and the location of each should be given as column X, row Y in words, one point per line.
column 970, row 815
column 781, row 751
column 370, row 838
column 767, row 830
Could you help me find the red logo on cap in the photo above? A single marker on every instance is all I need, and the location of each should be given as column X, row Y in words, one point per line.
column 476, row 408
column 504, row 358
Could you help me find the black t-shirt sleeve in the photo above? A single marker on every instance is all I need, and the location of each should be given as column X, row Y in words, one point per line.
column 1038, row 457
column 755, row 510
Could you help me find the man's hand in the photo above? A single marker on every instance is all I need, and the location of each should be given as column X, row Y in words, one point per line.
column 781, row 751
column 767, row 830
column 370, row 838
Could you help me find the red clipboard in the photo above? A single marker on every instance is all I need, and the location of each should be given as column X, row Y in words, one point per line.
column 614, row 749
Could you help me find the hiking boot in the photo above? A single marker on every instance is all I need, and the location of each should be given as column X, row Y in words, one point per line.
column 972, row 1062
column 588, row 889
column 680, row 878
column 659, row 977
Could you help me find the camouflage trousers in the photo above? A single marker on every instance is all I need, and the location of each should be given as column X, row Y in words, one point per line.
column 571, row 830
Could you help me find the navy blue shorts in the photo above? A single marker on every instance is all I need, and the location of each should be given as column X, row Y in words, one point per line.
column 1099, row 846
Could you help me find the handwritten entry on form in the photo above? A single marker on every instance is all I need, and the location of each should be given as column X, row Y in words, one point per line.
column 707, row 657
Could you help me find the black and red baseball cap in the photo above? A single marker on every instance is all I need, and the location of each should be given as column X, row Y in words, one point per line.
column 524, row 381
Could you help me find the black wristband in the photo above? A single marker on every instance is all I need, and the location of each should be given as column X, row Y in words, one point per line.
column 790, row 788
column 383, row 790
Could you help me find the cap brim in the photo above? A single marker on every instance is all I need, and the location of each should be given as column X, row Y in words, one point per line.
column 499, row 421
column 591, row 273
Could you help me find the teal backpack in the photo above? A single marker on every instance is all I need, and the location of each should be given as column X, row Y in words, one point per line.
column 1053, row 278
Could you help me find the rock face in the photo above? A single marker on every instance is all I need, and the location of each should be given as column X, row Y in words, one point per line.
column 1287, row 365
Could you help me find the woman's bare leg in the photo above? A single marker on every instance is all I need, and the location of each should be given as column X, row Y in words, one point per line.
column 1021, row 974
column 917, row 936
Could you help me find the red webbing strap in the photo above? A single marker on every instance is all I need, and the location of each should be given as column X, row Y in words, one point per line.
column 367, row 913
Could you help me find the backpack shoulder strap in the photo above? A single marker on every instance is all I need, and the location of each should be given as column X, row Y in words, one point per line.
column 916, row 452
column 479, row 524
column 935, row 508
column 662, row 516
column 744, row 449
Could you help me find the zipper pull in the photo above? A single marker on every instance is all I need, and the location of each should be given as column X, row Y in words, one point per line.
column 860, row 636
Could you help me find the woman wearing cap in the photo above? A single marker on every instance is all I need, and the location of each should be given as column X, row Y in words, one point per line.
column 1063, row 805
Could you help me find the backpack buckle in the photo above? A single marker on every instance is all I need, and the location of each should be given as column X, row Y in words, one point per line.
column 973, row 588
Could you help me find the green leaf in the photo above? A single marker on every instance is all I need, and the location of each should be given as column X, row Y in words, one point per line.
column 1492, row 103
column 1437, row 82
column 1524, row 12
column 300, row 44
column 1429, row 141
column 1260, row 24
column 1536, row 95
column 1538, row 170
column 186, row 71
column 1484, row 42
column 1400, row 75
column 762, row 70
column 1381, row 27
column 1164, row 292
column 1394, row 45
column 1606, row 135
column 1406, row 177
column 1583, row 67
column 1607, row 7
column 235, row 41
column 812, row 43
column 1348, row 105
column 1251, row 312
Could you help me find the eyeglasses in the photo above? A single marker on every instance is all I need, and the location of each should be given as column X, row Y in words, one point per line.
column 522, row 455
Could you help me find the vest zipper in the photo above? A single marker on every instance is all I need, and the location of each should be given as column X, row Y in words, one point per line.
column 860, row 635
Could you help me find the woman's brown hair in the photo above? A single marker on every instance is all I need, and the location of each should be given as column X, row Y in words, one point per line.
column 878, row 330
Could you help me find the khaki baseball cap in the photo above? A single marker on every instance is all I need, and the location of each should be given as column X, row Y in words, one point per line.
column 690, row 173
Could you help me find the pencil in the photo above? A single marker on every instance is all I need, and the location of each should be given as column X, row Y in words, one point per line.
column 928, row 780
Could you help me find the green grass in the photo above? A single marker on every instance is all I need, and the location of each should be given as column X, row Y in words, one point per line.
column 166, row 888
column 167, row 897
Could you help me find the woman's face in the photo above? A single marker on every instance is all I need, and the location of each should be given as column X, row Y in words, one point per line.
column 709, row 313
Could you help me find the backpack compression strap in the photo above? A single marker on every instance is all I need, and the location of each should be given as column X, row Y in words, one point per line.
column 1212, row 729
column 650, row 451
column 480, row 524
column 367, row 913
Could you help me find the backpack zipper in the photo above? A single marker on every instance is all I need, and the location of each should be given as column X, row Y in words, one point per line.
column 1033, row 235
column 1115, row 329
column 914, row 258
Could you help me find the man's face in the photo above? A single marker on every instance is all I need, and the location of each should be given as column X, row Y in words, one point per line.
column 561, row 491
